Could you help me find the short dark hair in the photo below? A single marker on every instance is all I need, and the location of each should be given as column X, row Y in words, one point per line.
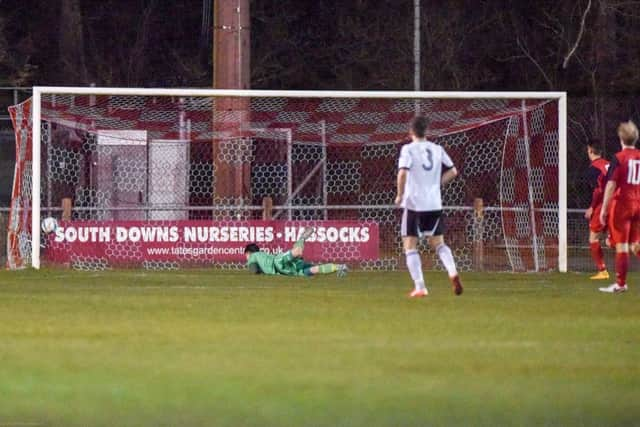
column 596, row 146
column 251, row 248
column 419, row 126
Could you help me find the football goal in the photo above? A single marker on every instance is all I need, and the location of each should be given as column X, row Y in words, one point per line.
column 170, row 178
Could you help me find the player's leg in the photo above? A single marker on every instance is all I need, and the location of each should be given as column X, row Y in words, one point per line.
column 634, row 237
column 285, row 264
column 446, row 258
column 595, row 231
column 340, row 269
column 409, row 232
column 298, row 246
column 609, row 239
column 294, row 262
column 620, row 228
column 598, row 256
column 622, row 265
column 634, row 233
column 433, row 225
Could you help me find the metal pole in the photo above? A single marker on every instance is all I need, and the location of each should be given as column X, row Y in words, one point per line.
column 239, row 33
column 325, row 193
column 126, row 91
column 290, row 168
column 147, row 213
column 174, row 207
column 562, row 184
column 416, row 53
column 49, row 165
column 416, row 45
column 239, row 174
column 35, row 185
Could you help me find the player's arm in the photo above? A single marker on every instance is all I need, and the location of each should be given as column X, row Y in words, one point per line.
column 597, row 193
column 261, row 263
column 450, row 171
column 608, row 195
column 597, row 197
column 401, row 182
column 609, row 189
column 449, row 175
column 404, row 164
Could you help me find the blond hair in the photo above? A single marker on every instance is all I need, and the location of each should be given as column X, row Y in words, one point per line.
column 628, row 133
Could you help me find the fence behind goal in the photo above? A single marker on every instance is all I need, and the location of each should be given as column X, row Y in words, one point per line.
column 154, row 159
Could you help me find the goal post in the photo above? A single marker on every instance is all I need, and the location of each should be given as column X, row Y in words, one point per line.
column 563, row 261
column 36, row 142
column 339, row 162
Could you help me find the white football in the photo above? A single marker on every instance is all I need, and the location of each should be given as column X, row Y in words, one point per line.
column 49, row 225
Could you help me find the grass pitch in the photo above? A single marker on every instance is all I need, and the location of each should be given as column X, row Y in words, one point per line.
column 204, row 348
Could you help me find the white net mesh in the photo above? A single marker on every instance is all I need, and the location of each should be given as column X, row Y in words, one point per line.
column 162, row 161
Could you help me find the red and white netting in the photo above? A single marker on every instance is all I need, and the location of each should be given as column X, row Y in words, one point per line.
column 158, row 159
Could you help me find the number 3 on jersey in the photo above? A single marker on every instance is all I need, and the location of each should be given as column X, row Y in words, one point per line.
column 429, row 164
column 633, row 176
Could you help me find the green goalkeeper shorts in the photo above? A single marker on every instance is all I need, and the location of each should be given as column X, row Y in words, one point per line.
column 287, row 265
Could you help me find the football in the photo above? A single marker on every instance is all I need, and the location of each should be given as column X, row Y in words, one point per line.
column 49, row 225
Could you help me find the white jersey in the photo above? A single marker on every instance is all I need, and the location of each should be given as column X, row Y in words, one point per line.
column 424, row 161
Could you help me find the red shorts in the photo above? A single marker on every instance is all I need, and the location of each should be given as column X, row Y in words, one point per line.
column 594, row 223
column 624, row 222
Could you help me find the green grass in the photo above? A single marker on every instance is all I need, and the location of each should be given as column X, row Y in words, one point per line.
column 204, row 348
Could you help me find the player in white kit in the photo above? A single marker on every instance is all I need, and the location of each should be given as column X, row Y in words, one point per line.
column 423, row 168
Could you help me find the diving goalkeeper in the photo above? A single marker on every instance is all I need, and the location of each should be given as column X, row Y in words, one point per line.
column 289, row 263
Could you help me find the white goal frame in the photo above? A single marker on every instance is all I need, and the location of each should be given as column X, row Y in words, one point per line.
column 38, row 91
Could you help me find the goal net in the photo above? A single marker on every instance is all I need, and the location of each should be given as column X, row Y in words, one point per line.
column 159, row 179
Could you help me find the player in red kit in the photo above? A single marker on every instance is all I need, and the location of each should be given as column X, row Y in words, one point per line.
column 624, row 221
column 598, row 180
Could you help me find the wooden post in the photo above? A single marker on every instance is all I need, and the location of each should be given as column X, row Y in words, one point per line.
column 66, row 209
column 231, row 70
column 231, row 44
column 478, row 232
column 267, row 208
column 4, row 217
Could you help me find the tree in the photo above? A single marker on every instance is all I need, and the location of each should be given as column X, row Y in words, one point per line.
column 324, row 44
column 71, row 52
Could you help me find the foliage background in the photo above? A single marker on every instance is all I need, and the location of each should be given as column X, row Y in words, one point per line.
column 585, row 47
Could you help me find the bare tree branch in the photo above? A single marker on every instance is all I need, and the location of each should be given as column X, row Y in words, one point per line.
column 532, row 59
column 580, row 33
column 579, row 125
column 555, row 23
column 71, row 43
column 136, row 56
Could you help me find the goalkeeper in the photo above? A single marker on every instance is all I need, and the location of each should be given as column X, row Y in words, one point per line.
column 289, row 263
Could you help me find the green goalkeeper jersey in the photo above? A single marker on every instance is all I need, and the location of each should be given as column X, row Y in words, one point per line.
column 278, row 264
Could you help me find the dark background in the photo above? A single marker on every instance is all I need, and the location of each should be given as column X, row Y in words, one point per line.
column 347, row 45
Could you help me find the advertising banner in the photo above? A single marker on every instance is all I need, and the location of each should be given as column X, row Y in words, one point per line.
column 203, row 241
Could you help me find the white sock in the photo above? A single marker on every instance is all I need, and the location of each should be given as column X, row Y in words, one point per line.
column 414, row 264
column 446, row 257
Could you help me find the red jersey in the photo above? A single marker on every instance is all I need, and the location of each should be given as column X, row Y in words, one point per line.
column 625, row 171
column 598, row 176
